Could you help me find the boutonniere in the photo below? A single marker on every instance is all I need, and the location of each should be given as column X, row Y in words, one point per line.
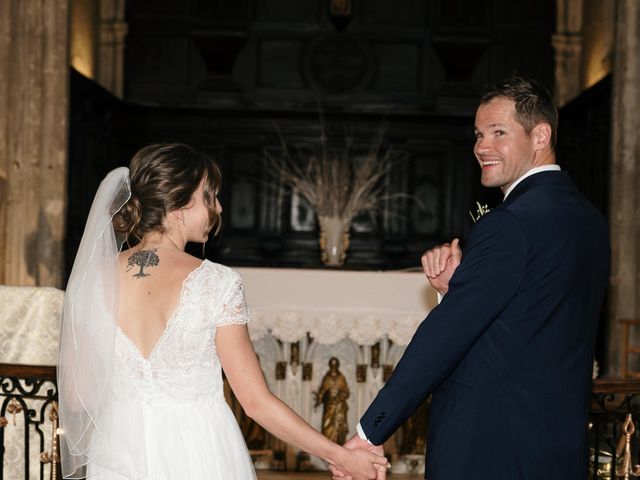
column 480, row 211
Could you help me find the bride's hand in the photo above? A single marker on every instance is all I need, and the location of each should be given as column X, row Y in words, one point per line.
column 359, row 464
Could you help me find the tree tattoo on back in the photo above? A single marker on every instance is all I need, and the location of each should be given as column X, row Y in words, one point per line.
column 142, row 259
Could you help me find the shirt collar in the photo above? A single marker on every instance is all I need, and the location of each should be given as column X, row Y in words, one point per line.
column 533, row 171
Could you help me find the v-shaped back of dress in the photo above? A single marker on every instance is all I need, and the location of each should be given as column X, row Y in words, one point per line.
column 183, row 366
column 168, row 418
column 175, row 312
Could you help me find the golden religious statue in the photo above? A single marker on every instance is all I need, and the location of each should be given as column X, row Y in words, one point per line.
column 333, row 394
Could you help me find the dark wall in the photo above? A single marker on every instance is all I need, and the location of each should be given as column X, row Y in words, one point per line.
column 584, row 150
column 222, row 74
column 584, row 142
column 263, row 223
column 407, row 55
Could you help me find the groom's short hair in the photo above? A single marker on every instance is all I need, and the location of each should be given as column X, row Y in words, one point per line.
column 533, row 102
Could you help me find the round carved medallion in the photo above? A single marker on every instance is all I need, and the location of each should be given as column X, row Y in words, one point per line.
column 338, row 63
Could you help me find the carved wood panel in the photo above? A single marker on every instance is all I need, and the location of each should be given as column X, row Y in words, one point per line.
column 412, row 55
column 265, row 223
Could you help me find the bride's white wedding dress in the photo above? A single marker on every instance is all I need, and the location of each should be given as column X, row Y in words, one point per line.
column 176, row 394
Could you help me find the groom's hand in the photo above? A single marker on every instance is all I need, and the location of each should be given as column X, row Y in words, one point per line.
column 440, row 262
column 357, row 442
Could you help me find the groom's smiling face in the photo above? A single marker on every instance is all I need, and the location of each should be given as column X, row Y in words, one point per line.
column 503, row 148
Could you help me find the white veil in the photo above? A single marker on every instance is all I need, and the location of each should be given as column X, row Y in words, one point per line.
column 87, row 344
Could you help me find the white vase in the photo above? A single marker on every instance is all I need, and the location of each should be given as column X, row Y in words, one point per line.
column 334, row 240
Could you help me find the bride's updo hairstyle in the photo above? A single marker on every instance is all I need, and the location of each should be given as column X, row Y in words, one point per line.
column 163, row 179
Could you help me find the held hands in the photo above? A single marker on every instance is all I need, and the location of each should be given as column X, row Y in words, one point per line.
column 440, row 262
column 363, row 461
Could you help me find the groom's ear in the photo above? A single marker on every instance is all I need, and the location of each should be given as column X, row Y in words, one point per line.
column 541, row 136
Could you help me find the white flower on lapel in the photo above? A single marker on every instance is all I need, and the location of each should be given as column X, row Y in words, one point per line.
column 480, row 211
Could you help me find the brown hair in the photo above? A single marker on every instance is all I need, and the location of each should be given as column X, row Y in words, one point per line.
column 533, row 102
column 163, row 179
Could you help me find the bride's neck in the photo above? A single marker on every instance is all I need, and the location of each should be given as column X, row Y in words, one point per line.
column 166, row 240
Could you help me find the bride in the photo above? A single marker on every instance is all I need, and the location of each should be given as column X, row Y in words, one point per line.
column 146, row 332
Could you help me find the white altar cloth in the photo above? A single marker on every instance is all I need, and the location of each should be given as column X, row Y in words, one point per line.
column 30, row 324
column 29, row 333
column 331, row 305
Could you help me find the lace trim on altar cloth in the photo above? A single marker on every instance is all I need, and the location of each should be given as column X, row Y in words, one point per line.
column 330, row 326
column 332, row 305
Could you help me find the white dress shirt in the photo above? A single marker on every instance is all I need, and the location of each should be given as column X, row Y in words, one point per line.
column 533, row 171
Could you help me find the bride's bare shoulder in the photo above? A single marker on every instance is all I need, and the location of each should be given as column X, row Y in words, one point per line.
column 184, row 261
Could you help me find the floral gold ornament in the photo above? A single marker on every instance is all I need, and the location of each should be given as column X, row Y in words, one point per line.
column 480, row 211
column 52, row 457
column 340, row 8
column 307, row 371
column 375, row 355
column 295, row 357
column 626, row 469
column 361, row 372
column 387, row 370
column 340, row 12
column 281, row 370
column 14, row 408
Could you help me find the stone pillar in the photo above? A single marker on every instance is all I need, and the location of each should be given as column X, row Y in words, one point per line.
column 34, row 71
column 113, row 30
column 567, row 44
column 624, row 295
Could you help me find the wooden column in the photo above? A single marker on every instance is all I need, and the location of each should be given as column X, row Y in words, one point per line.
column 624, row 212
column 34, row 70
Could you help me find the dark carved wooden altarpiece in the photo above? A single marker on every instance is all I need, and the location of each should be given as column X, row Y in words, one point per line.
column 223, row 74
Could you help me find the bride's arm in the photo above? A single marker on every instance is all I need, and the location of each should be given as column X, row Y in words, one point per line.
column 245, row 376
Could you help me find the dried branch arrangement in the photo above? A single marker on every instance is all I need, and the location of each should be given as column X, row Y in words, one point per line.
column 336, row 182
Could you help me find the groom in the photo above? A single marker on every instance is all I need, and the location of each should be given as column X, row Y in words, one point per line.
column 508, row 352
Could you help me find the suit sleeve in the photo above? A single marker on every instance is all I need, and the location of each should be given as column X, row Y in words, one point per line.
column 482, row 286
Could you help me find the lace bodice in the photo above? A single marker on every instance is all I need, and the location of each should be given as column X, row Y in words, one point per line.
column 183, row 367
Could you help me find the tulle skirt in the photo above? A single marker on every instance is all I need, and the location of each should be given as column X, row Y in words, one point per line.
column 183, row 442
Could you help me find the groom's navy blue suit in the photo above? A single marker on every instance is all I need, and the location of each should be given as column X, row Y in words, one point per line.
column 508, row 353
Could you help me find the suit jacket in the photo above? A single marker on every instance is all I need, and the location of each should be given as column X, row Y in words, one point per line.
column 508, row 353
